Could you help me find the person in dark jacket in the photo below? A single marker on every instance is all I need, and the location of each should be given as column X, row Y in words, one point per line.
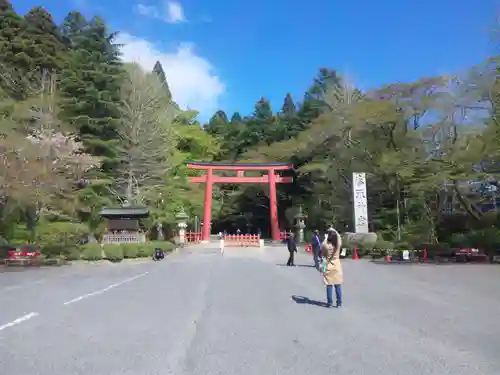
column 292, row 249
column 158, row 254
column 316, row 246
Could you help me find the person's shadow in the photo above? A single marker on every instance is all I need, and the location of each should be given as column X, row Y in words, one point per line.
column 297, row 265
column 304, row 300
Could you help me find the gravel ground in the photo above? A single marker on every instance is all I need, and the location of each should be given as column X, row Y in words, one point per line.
column 198, row 312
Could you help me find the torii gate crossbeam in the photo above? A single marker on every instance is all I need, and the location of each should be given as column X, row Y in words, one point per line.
column 271, row 178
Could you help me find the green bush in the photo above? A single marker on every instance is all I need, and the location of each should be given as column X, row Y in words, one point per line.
column 116, row 253
column 487, row 239
column 130, row 250
column 21, row 235
column 383, row 245
column 113, row 253
column 434, row 250
column 147, row 249
column 60, row 239
column 74, row 253
column 345, row 242
column 53, row 250
column 377, row 254
column 92, row 252
column 402, row 245
column 66, row 233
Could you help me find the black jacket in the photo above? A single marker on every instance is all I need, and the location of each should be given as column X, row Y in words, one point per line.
column 291, row 244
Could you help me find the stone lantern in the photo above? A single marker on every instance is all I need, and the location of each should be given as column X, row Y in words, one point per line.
column 300, row 223
column 181, row 218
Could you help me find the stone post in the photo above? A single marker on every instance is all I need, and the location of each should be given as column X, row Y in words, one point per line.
column 182, row 232
column 300, row 224
column 181, row 218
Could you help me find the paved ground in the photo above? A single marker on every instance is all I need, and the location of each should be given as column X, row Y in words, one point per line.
column 199, row 313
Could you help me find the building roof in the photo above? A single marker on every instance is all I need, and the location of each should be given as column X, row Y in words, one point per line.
column 125, row 212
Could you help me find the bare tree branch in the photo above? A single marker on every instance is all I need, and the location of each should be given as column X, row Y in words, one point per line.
column 147, row 137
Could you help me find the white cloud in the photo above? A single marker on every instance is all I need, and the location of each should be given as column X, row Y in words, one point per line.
column 191, row 77
column 175, row 13
column 170, row 11
column 147, row 10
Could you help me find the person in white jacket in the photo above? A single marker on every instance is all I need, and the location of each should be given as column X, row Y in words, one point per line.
column 221, row 243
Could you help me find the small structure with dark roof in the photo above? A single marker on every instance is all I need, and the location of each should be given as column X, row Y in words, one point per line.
column 123, row 224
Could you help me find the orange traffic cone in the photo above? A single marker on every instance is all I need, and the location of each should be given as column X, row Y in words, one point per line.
column 308, row 249
column 355, row 255
column 387, row 257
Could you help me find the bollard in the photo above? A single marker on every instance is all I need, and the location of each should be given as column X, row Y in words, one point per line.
column 355, row 255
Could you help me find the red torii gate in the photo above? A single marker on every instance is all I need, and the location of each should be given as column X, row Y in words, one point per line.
column 270, row 178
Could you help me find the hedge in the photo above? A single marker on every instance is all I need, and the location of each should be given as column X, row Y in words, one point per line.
column 116, row 253
column 91, row 252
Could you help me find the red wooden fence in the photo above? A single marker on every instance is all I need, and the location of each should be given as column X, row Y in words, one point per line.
column 242, row 240
column 193, row 237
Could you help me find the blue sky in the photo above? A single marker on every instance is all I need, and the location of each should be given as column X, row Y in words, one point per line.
column 227, row 54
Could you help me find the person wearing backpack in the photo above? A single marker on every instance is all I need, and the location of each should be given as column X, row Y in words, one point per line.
column 316, row 246
column 332, row 268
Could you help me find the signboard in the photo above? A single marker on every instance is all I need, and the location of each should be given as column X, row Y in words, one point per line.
column 360, row 202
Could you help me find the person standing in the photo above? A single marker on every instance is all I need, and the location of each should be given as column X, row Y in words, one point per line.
column 332, row 268
column 221, row 246
column 292, row 249
column 316, row 246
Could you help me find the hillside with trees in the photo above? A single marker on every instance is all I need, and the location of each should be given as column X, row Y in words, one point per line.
column 82, row 130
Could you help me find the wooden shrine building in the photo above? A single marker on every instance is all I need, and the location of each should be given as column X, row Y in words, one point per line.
column 123, row 224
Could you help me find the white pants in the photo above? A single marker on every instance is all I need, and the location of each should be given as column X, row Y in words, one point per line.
column 221, row 247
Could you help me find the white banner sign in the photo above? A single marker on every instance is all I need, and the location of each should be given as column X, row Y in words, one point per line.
column 360, row 202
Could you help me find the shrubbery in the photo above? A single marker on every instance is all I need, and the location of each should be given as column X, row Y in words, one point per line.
column 116, row 253
column 60, row 239
column 486, row 239
column 113, row 253
column 91, row 252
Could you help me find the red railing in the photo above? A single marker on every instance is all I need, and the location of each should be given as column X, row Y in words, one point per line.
column 193, row 237
column 242, row 240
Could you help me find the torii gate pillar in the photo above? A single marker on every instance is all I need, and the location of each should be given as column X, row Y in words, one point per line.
column 207, row 208
column 273, row 206
column 271, row 179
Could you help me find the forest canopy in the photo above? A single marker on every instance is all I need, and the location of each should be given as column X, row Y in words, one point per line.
column 81, row 129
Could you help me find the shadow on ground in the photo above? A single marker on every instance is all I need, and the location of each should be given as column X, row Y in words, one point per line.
column 306, row 301
column 297, row 265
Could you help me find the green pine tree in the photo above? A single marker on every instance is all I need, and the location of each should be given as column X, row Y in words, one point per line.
column 263, row 110
column 14, row 62
column 73, row 25
column 313, row 104
column 287, row 120
column 158, row 69
column 218, row 124
column 90, row 83
column 288, row 109
column 44, row 41
column 236, row 118
column 262, row 125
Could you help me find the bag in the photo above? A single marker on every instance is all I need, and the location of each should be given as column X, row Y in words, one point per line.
column 324, row 265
